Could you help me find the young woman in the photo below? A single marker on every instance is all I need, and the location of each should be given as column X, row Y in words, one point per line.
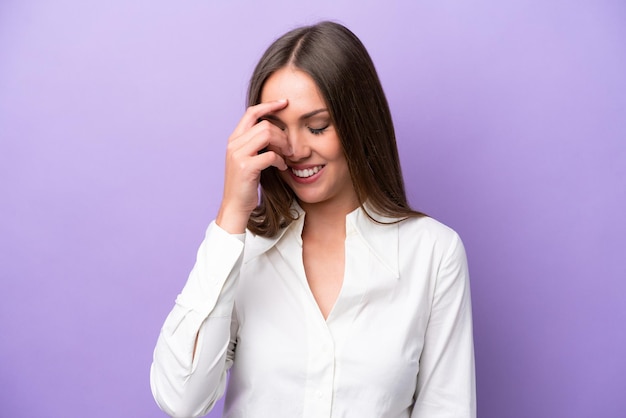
column 327, row 296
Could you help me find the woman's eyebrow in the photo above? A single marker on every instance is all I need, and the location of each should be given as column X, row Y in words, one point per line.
column 313, row 113
column 307, row 115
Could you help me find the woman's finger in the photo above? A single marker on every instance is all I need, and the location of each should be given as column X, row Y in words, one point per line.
column 261, row 137
column 271, row 158
column 254, row 113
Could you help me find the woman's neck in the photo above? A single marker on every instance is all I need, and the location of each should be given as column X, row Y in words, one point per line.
column 326, row 220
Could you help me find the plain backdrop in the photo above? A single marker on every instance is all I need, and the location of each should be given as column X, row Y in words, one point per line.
column 511, row 124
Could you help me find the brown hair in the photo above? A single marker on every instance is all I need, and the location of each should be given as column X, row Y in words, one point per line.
column 344, row 73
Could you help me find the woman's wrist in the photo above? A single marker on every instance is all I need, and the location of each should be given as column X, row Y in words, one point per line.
column 233, row 222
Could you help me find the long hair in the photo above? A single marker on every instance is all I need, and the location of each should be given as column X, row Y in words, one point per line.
column 344, row 73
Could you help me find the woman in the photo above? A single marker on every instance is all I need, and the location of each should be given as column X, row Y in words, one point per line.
column 328, row 296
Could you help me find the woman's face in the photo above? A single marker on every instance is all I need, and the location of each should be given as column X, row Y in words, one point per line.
column 318, row 171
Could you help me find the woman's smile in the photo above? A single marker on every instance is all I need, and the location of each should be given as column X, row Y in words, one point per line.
column 302, row 174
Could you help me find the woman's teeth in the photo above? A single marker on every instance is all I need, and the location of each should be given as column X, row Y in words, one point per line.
column 307, row 172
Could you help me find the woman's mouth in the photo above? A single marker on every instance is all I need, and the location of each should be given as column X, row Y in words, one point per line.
column 306, row 172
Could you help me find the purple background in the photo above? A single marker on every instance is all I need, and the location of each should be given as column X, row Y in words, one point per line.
column 511, row 121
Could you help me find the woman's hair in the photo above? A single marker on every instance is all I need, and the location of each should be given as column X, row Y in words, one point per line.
column 344, row 73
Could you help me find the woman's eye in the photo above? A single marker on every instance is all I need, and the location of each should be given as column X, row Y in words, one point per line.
column 318, row 131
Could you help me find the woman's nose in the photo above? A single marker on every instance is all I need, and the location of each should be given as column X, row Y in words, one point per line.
column 299, row 145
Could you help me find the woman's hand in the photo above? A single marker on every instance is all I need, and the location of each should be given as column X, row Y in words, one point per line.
column 252, row 147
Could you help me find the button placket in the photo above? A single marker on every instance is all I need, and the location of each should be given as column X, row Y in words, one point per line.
column 321, row 370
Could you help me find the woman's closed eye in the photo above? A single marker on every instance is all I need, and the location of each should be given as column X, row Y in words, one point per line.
column 318, row 131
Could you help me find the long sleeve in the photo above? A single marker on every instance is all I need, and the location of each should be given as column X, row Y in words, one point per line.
column 185, row 384
column 446, row 379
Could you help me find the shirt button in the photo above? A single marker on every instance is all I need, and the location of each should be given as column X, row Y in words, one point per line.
column 319, row 394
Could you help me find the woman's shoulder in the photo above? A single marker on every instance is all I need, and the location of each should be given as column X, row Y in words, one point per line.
column 420, row 225
column 426, row 223
column 429, row 229
column 416, row 224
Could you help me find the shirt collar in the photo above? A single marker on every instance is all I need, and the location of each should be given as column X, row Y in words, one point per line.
column 257, row 244
column 379, row 233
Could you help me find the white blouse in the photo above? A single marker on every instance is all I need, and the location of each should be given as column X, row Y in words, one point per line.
column 397, row 343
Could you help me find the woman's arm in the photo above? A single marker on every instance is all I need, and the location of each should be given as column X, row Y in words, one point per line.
column 446, row 380
column 192, row 355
